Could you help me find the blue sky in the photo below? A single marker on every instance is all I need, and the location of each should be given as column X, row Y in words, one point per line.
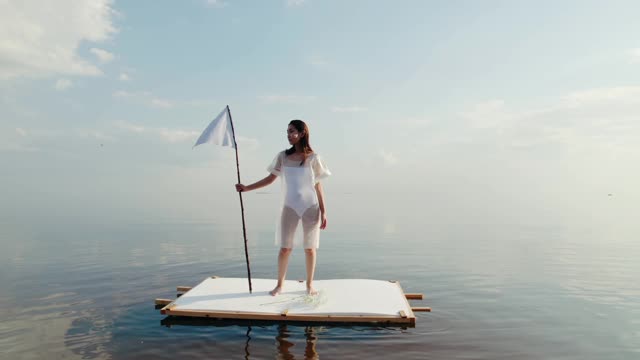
column 492, row 106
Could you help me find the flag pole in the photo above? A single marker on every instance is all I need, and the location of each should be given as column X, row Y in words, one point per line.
column 244, row 229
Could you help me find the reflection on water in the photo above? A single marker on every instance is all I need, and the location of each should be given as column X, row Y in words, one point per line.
column 284, row 346
column 289, row 336
column 86, row 291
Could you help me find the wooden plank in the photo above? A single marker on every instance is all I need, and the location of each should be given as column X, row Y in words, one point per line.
column 411, row 316
column 163, row 301
column 290, row 317
column 183, row 288
column 414, row 296
column 427, row 309
column 168, row 307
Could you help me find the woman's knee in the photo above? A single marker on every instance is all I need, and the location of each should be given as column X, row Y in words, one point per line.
column 285, row 251
column 310, row 251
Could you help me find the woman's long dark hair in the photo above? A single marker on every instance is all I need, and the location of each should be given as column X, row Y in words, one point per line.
column 302, row 128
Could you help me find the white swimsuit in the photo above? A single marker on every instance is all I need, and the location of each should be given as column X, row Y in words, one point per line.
column 300, row 203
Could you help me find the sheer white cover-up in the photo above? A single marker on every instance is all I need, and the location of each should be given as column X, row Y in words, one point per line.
column 300, row 200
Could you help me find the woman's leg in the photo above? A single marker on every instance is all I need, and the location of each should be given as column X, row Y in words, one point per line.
column 311, row 228
column 310, row 257
column 283, row 261
column 288, row 224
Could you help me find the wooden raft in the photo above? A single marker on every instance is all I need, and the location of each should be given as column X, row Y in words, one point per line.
column 339, row 300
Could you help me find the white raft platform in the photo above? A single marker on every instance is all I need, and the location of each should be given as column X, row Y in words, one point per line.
column 341, row 300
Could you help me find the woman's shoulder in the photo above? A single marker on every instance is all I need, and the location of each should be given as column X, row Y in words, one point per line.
column 315, row 156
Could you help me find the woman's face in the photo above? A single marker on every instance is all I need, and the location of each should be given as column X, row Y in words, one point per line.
column 293, row 135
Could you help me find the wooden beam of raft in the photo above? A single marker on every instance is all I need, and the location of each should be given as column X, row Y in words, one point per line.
column 414, row 296
column 163, row 301
column 427, row 309
column 183, row 288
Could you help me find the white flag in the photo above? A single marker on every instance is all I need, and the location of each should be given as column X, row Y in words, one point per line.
column 219, row 131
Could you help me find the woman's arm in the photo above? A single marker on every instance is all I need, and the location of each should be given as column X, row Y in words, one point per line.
column 323, row 212
column 257, row 185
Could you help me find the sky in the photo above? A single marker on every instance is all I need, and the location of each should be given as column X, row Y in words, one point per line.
column 524, row 110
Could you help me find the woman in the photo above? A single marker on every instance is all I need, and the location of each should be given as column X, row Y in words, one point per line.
column 301, row 171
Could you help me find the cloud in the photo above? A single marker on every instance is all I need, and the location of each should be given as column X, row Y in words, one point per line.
column 144, row 97
column 286, row 99
column 348, row 109
column 20, row 148
column 487, row 114
column 247, row 143
column 629, row 94
column 418, row 122
column 387, row 157
column 148, row 99
column 161, row 103
column 164, row 134
column 93, row 134
column 317, row 61
column 124, row 77
column 130, row 127
column 34, row 43
column 35, row 139
column 216, row 3
column 295, row 3
column 596, row 118
column 634, row 55
column 103, row 55
column 63, row 84
column 177, row 135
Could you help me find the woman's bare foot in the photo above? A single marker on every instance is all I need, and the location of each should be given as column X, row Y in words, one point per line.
column 276, row 290
column 311, row 291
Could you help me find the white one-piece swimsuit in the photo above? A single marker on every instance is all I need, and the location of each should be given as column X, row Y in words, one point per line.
column 300, row 203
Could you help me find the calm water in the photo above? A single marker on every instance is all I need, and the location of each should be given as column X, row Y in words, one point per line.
column 545, row 291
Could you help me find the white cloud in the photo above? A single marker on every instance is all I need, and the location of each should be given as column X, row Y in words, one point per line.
column 35, row 43
column 247, row 143
column 149, row 99
column 388, row 158
column 37, row 139
column 93, row 134
column 487, row 114
column 418, row 122
column 144, row 97
column 177, row 135
column 294, row 3
column 130, row 127
column 124, row 77
column 161, row 103
column 12, row 147
column 591, row 118
column 348, row 109
column 103, row 55
column 216, row 3
column 317, row 61
column 63, row 84
column 603, row 95
column 634, row 55
column 286, row 99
